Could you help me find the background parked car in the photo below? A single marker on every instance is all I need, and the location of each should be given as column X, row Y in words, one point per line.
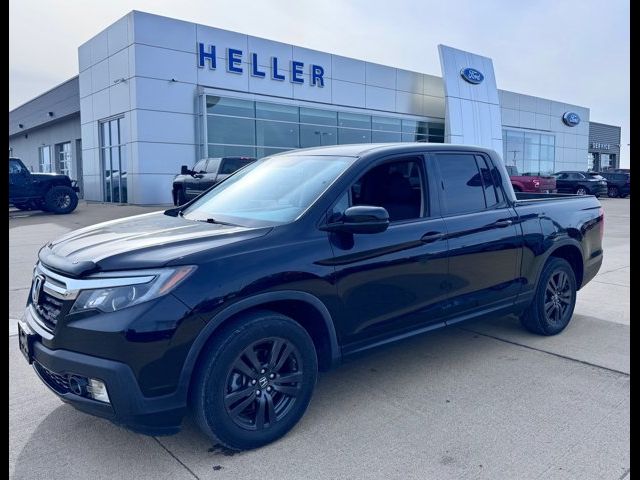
column 582, row 183
column 527, row 182
column 618, row 183
column 204, row 174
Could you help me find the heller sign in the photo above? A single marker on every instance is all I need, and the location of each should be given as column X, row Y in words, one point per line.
column 234, row 64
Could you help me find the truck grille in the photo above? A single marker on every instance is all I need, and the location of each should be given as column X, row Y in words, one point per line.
column 49, row 308
column 56, row 381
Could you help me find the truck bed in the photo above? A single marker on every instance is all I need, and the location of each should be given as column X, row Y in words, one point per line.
column 523, row 198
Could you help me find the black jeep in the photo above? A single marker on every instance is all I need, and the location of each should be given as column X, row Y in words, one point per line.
column 51, row 192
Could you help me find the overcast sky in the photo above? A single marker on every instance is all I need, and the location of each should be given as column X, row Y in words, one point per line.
column 575, row 51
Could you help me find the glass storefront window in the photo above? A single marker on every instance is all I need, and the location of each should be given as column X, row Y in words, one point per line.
column 273, row 111
column 251, row 128
column 386, row 124
column 354, row 120
column 238, row 131
column 415, row 127
column 317, row 135
column 532, row 153
column 377, row 136
column 230, row 106
column 318, row 117
column 44, row 162
column 353, row 135
column 276, row 134
column 216, row 151
column 114, row 162
column 412, row 137
column 266, row 151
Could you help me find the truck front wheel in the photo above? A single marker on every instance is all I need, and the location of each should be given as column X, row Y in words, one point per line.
column 254, row 380
column 554, row 300
column 60, row 199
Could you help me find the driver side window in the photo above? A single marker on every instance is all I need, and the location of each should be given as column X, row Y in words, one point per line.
column 398, row 186
column 15, row 167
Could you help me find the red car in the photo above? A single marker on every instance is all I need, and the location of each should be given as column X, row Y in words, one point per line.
column 531, row 183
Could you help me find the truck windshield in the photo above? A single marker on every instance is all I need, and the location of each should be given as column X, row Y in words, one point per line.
column 271, row 191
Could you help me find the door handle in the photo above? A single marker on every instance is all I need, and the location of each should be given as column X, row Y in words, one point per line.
column 503, row 223
column 432, row 237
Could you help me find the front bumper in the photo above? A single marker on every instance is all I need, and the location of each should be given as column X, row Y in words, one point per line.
column 129, row 407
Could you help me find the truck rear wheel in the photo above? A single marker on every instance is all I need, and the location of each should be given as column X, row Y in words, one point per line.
column 60, row 199
column 554, row 300
column 254, row 380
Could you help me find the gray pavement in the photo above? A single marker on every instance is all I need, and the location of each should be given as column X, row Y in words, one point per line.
column 484, row 400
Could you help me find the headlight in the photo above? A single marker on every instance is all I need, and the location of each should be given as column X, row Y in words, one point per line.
column 117, row 297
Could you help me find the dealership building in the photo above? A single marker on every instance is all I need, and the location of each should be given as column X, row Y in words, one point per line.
column 154, row 93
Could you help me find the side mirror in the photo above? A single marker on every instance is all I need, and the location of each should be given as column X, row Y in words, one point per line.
column 184, row 170
column 360, row 219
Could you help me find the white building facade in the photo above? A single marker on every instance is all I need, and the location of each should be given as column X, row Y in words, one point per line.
column 157, row 93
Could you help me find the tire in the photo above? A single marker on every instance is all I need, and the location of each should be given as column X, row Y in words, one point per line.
column 556, row 271
column 613, row 192
column 224, row 369
column 60, row 200
column 582, row 191
column 180, row 197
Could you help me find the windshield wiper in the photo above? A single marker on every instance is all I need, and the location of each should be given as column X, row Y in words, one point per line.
column 217, row 222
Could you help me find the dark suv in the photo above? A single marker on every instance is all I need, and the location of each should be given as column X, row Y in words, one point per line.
column 204, row 175
column 581, row 183
column 51, row 192
column 618, row 183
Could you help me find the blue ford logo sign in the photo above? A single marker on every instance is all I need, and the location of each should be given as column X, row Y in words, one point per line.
column 571, row 119
column 472, row 75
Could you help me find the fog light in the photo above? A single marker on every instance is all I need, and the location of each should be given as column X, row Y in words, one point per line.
column 98, row 390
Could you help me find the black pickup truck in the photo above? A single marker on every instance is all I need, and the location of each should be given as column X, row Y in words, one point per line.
column 230, row 305
column 205, row 174
column 51, row 192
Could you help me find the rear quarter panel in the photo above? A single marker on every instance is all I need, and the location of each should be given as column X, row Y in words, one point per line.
column 550, row 224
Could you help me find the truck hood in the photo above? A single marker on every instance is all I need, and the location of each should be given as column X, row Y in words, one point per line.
column 150, row 240
column 47, row 176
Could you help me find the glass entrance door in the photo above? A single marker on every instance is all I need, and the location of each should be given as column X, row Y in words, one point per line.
column 114, row 165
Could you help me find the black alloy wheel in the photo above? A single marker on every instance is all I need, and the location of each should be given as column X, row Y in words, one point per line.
column 263, row 383
column 61, row 199
column 554, row 300
column 254, row 380
column 582, row 191
column 557, row 298
column 613, row 192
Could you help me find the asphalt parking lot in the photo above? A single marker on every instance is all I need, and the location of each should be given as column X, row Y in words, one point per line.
column 486, row 400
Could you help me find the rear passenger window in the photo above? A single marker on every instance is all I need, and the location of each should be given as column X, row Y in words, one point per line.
column 491, row 180
column 461, row 184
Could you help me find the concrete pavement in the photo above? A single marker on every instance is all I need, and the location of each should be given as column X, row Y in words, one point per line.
column 485, row 400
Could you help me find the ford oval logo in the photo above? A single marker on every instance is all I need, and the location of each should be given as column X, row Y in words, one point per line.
column 472, row 75
column 571, row 119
